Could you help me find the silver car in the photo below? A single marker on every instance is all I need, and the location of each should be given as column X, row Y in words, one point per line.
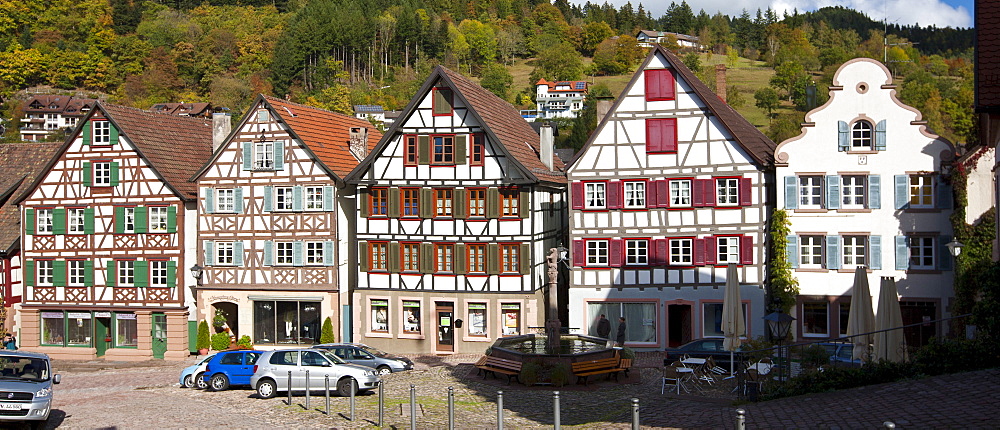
column 26, row 382
column 365, row 355
column 272, row 370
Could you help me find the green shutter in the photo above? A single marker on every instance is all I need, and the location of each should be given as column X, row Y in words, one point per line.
column 29, row 221
column 843, row 136
column 493, row 259
column 874, row 192
column 792, row 251
column 268, row 198
column 88, row 174
column 791, row 192
column 59, row 273
column 115, row 173
column 297, row 253
column 492, row 202
column 364, row 202
column 209, row 200
column 833, row 252
column 279, row 155
column 427, row 262
column 394, row 257
column 297, row 198
column 327, row 198
column 426, row 204
column 238, row 200
column 29, row 273
column 238, row 253
column 423, row 150
column 458, row 260
column 460, row 151
column 524, row 203
column 524, row 258
column 112, row 273
column 114, row 133
column 880, row 142
column 458, row 208
column 901, row 185
column 88, row 273
column 209, row 253
column 119, row 219
column 59, row 221
column 172, row 219
column 141, row 219
column 171, row 274
column 88, row 221
column 85, row 133
column 875, row 251
column 141, row 271
column 328, row 253
column 394, row 209
column 363, row 255
column 832, row 192
column 902, row 253
column 247, row 155
column 268, row 253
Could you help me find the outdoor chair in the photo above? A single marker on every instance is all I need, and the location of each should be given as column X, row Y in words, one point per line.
column 714, row 368
column 670, row 377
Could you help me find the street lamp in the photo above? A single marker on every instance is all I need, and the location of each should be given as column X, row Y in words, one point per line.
column 197, row 272
column 779, row 323
column 955, row 247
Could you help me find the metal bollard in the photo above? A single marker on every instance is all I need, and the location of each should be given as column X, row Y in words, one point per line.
column 354, row 387
column 307, row 389
column 635, row 413
column 556, row 420
column 327, row 386
column 888, row 425
column 451, row 408
column 741, row 419
column 381, row 403
column 499, row 409
column 413, row 407
column 289, row 403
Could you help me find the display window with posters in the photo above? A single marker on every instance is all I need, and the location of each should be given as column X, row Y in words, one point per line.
column 511, row 314
column 380, row 315
column 477, row 319
column 411, row 316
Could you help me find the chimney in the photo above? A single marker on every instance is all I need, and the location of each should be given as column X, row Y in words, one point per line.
column 603, row 107
column 221, row 126
column 359, row 142
column 547, row 143
column 720, row 81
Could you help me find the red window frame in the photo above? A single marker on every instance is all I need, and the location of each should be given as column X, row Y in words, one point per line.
column 444, row 267
column 510, row 260
column 472, row 250
column 447, row 158
column 660, row 85
column 411, row 250
column 479, row 195
column 510, row 201
column 478, row 153
column 378, row 202
column 411, row 152
column 376, row 263
column 409, row 196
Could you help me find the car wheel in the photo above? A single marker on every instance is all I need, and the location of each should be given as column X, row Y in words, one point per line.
column 384, row 370
column 344, row 386
column 266, row 389
column 188, row 381
column 219, row 382
column 199, row 381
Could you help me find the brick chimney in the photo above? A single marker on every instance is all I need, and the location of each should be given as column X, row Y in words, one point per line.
column 221, row 126
column 720, row 81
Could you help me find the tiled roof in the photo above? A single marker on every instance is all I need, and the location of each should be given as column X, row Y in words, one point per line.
column 573, row 85
column 59, row 104
column 987, row 54
column 22, row 162
column 175, row 146
column 190, row 109
column 519, row 139
column 327, row 134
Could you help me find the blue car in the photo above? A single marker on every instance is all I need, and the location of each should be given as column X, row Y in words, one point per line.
column 191, row 375
column 229, row 368
column 840, row 354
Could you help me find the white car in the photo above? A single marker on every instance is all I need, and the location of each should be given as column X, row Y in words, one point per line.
column 191, row 376
column 271, row 372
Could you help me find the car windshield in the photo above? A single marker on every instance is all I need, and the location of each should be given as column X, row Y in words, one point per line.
column 32, row 369
column 374, row 351
column 329, row 355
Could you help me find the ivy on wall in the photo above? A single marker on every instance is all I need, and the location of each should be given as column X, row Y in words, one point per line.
column 784, row 286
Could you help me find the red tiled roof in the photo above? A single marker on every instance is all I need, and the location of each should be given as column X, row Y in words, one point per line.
column 326, row 133
column 67, row 105
column 22, row 163
column 571, row 84
column 987, row 54
column 189, row 109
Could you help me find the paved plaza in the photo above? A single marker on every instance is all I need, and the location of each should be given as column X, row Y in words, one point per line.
column 146, row 395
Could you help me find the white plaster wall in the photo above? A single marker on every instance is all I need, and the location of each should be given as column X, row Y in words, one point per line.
column 981, row 186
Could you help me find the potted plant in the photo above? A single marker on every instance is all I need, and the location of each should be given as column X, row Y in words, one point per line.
column 220, row 341
column 204, row 340
column 219, row 321
column 244, row 343
column 326, row 336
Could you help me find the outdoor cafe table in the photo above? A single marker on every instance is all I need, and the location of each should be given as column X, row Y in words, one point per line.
column 695, row 361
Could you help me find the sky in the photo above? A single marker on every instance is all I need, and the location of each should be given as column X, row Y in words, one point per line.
column 942, row 13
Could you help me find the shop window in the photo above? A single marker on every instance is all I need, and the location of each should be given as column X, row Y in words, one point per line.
column 477, row 319
column 640, row 319
column 380, row 315
column 712, row 319
column 286, row 322
column 511, row 318
column 815, row 319
column 126, row 330
column 411, row 317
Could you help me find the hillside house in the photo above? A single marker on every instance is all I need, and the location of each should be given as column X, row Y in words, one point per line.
column 560, row 99
column 46, row 114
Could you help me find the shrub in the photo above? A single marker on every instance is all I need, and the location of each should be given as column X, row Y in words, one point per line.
column 244, row 342
column 560, row 374
column 756, row 349
column 220, row 341
column 814, row 356
column 204, row 340
column 326, row 336
column 530, row 373
column 628, row 353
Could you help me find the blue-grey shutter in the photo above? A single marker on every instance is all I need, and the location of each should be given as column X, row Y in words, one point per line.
column 297, row 198
column 791, row 192
column 875, row 251
column 328, row 253
column 874, row 192
column 279, row 155
column 209, row 253
column 268, row 253
column 268, row 198
column 297, row 253
column 238, row 253
column 247, row 155
column 209, row 200
column 880, row 136
column 328, row 198
column 833, row 252
column 832, row 192
column 792, row 249
column 902, row 253
column 902, row 187
column 843, row 136
column 945, row 260
column 944, row 197
column 238, row 200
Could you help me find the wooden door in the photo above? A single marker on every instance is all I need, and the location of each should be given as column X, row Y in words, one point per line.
column 159, row 335
column 445, row 321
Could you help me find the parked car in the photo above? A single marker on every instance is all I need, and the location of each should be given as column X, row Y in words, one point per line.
column 230, row 368
column 271, row 372
column 841, row 353
column 191, row 376
column 701, row 348
column 365, row 355
column 26, row 382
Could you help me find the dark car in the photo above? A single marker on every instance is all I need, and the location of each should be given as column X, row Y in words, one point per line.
column 365, row 355
column 230, row 368
column 840, row 354
column 701, row 348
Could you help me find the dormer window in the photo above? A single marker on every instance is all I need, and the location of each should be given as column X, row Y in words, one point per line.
column 861, row 136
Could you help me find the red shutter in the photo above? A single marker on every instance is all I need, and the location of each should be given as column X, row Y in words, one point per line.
column 652, row 194
column 654, row 135
column 745, row 192
column 711, row 250
column 652, row 85
column 699, row 252
column 667, row 85
column 614, row 194
column 662, row 252
column 709, row 188
column 697, row 193
column 615, row 256
column 578, row 195
column 659, row 84
column 579, row 253
column 663, row 190
column 668, row 130
column 746, row 250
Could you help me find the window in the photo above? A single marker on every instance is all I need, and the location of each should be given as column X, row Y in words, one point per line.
column 102, row 132
column 158, row 219
column 476, row 256
column 444, row 150
column 126, row 273
column 815, row 319
column 811, row 252
column 102, row 173
column 411, row 316
column 77, row 275
column 314, row 253
column 44, row 272
column 411, row 202
column 378, row 253
column 128, row 221
column 263, row 155
column 283, row 252
column 861, row 136
column 712, row 319
column 509, row 258
column 283, row 199
column 509, row 202
column 379, row 198
column 79, row 328
column 477, row 202
column 225, row 200
column 224, row 254
column 43, row 221
column 680, row 193
column 855, row 251
column 921, row 191
column 158, row 273
column 477, row 319
column 636, row 252
column 53, row 328
column 681, row 251
column 443, row 258
column 286, row 322
column 728, row 250
column 478, row 149
column 76, row 220
column 442, row 202
column 411, row 257
column 810, row 192
column 380, row 315
column 263, row 116
column 597, row 253
column 594, row 195
column 852, row 192
column 640, row 319
column 511, row 318
column 845, row 316
column 727, row 191
column 921, row 252
column 127, row 329
column 410, row 150
column 314, row 198
column 635, row 194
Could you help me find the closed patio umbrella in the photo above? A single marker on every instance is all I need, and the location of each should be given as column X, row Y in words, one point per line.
column 861, row 318
column 889, row 345
column 733, row 323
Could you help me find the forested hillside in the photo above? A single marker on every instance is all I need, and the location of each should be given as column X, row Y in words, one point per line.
column 335, row 53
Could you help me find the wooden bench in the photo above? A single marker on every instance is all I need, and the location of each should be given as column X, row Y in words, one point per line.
column 494, row 365
column 624, row 365
column 584, row 369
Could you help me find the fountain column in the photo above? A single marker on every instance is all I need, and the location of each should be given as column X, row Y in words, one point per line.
column 553, row 326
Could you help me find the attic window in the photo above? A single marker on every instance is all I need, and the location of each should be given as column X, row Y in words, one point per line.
column 263, row 116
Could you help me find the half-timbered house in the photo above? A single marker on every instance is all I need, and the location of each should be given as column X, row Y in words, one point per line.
column 670, row 188
column 458, row 205
column 270, row 222
column 106, row 227
column 863, row 185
